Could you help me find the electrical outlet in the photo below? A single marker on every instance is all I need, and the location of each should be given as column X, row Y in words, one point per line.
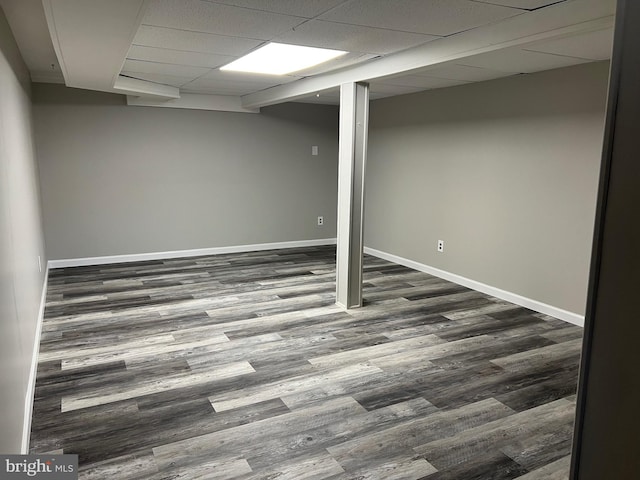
column 314, row 150
column 441, row 246
column 320, row 220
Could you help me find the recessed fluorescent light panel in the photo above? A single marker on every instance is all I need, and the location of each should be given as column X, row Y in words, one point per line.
column 280, row 59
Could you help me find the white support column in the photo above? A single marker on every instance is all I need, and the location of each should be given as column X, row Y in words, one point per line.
column 354, row 127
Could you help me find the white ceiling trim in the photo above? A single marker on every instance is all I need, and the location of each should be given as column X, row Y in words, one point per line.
column 224, row 103
column 571, row 17
column 53, row 31
column 91, row 53
column 134, row 86
column 47, row 78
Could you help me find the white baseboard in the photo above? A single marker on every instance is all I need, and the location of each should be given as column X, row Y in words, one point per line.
column 535, row 305
column 140, row 257
column 31, row 385
column 559, row 313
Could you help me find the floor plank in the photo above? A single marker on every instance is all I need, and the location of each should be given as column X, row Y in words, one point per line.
column 241, row 366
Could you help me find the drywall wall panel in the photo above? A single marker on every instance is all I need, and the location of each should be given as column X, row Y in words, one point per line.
column 505, row 172
column 127, row 180
column 21, row 278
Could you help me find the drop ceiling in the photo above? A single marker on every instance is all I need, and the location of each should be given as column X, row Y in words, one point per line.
column 168, row 52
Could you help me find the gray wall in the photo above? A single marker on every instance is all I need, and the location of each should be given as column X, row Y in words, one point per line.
column 505, row 172
column 126, row 180
column 21, row 281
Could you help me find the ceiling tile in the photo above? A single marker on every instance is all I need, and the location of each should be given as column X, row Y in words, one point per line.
column 523, row 4
column 419, row 81
column 230, row 83
column 593, row 45
column 462, row 72
column 340, row 62
column 199, row 16
column 220, row 90
column 161, row 37
column 223, row 87
column 178, row 57
column 353, row 38
column 520, row 61
column 163, row 68
column 433, row 17
column 298, row 8
column 228, row 76
column 217, row 79
column 171, row 80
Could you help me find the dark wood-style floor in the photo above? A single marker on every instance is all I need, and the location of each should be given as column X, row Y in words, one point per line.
column 240, row 366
